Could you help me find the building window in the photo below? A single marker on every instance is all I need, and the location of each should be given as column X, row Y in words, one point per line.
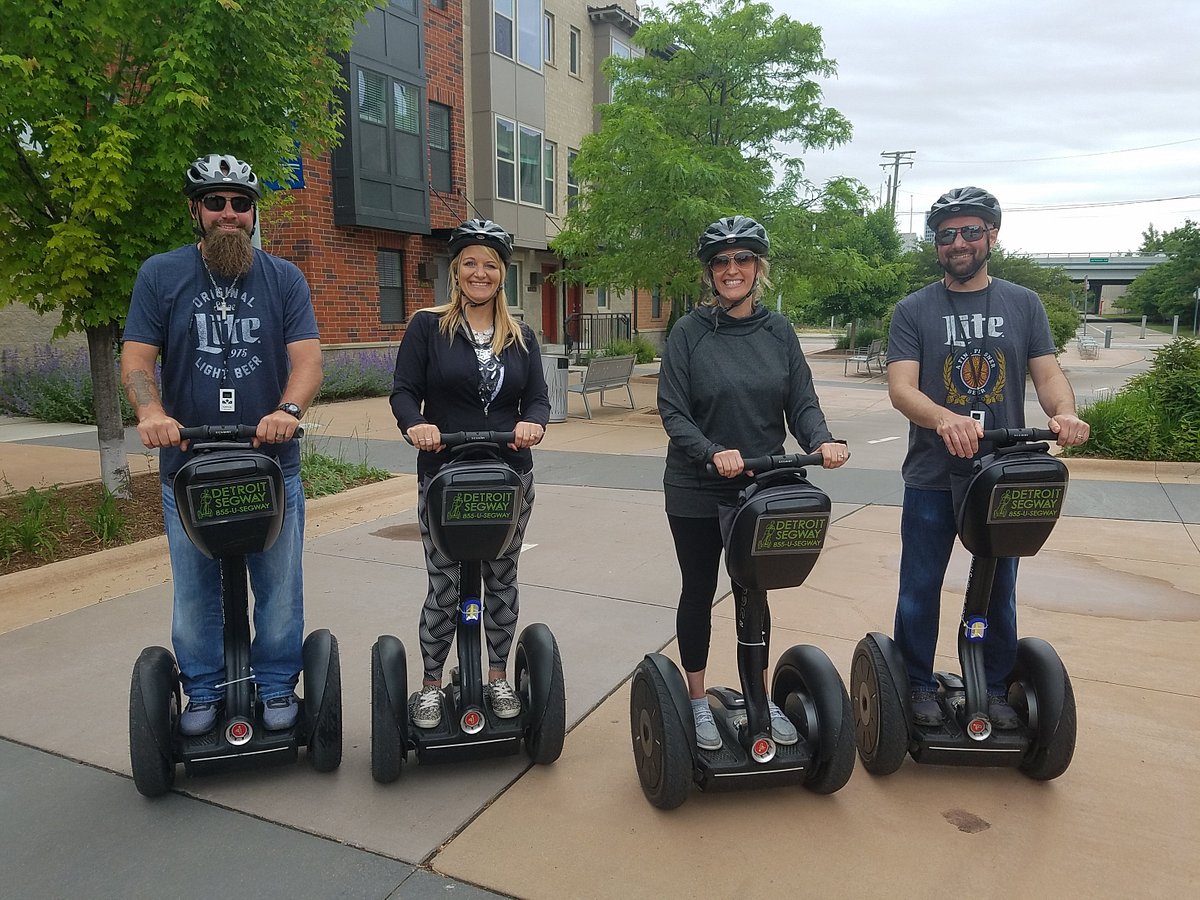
column 506, row 159
column 621, row 50
column 502, row 29
column 572, row 184
column 389, row 264
column 371, row 89
column 438, row 4
column 404, row 108
column 548, row 173
column 531, row 166
column 573, row 52
column 441, row 175
column 656, row 302
column 529, row 33
column 548, row 38
column 512, row 285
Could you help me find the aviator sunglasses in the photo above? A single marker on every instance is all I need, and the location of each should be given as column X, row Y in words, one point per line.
column 721, row 260
column 216, row 203
column 970, row 234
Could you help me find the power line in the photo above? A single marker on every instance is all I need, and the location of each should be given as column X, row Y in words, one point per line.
column 990, row 162
column 1097, row 205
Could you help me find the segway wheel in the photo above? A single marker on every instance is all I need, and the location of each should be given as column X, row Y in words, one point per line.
column 1042, row 695
column 880, row 726
column 325, row 742
column 660, row 742
column 153, row 712
column 387, row 735
column 539, row 680
column 810, row 691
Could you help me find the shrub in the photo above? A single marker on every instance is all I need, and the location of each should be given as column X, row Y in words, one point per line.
column 353, row 374
column 51, row 385
column 640, row 346
column 863, row 335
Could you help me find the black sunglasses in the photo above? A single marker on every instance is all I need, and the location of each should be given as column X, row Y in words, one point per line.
column 216, row 203
column 721, row 260
column 970, row 234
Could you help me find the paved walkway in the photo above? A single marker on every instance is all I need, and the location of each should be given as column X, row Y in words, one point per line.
column 1116, row 590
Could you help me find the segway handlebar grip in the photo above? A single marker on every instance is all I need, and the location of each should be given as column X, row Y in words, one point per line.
column 456, row 438
column 769, row 463
column 224, row 434
column 1006, row 437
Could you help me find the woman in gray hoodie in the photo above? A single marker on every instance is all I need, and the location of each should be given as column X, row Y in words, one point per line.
column 733, row 377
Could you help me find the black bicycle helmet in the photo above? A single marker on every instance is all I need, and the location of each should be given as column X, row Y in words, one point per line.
column 965, row 201
column 732, row 231
column 219, row 172
column 484, row 232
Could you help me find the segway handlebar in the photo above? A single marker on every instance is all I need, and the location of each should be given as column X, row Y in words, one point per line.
column 768, row 463
column 457, row 438
column 224, row 434
column 1007, row 437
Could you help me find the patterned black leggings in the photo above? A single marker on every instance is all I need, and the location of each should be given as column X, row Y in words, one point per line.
column 500, row 603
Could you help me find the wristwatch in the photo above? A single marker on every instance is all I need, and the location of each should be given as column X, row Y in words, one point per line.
column 291, row 409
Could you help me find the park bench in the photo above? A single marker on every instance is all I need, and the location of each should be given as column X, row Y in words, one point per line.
column 865, row 357
column 605, row 373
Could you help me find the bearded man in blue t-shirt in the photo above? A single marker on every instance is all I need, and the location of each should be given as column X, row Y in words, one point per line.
column 959, row 351
column 238, row 339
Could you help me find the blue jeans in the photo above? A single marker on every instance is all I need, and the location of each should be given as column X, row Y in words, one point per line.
column 927, row 535
column 277, row 582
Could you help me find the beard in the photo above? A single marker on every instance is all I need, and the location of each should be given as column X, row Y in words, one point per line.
column 963, row 264
column 228, row 253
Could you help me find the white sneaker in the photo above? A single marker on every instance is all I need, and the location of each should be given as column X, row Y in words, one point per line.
column 426, row 708
column 505, row 702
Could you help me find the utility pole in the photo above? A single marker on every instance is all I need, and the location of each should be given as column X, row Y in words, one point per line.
column 898, row 158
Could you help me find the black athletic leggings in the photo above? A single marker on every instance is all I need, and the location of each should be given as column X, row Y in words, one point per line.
column 698, row 548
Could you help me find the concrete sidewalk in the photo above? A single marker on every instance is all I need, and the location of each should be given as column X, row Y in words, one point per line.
column 1118, row 594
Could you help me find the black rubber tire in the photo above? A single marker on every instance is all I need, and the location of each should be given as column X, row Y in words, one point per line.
column 387, row 741
column 880, row 722
column 536, row 651
column 325, row 745
column 153, row 710
column 1049, row 757
column 660, row 743
column 808, row 673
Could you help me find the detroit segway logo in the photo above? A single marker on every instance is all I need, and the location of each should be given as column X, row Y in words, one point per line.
column 975, row 375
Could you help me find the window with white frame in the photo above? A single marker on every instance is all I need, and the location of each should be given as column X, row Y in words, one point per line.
column 548, row 197
column 506, row 159
column 529, row 33
column 548, row 38
column 574, row 45
column 502, row 27
column 621, row 49
column 441, row 173
column 572, row 183
column 531, row 165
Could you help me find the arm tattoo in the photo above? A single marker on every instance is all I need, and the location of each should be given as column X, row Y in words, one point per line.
column 141, row 389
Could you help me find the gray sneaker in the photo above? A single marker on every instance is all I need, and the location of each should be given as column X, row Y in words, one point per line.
column 782, row 728
column 199, row 717
column 707, row 736
column 426, row 708
column 279, row 713
column 504, row 700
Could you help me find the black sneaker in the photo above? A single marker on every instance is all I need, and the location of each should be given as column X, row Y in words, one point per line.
column 1003, row 716
column 925, row 708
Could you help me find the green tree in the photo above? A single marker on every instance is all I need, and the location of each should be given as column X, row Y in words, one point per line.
column 104, row 106
column 693, row 134
column 1168, row 289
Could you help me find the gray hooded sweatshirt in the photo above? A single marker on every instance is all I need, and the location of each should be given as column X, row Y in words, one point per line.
column 731, row 384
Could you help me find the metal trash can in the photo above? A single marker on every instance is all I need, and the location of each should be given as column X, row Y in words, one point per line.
column 554, row 367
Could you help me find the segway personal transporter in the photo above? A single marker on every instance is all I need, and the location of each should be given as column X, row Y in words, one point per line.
column 473, row 504
column 231, row 502
column 1010, row 506
column 773, row 542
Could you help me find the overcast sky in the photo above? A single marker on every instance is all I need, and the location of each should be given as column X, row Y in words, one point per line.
column 1043, row 102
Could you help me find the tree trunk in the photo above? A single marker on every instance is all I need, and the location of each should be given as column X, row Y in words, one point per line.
column 110, row 431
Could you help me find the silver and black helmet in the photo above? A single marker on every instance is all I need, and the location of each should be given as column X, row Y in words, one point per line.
column 484, row 232
column 965, row 201
column 220, row 172
column 732, row 231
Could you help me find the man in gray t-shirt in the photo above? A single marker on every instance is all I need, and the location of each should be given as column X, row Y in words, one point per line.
column 959, row 351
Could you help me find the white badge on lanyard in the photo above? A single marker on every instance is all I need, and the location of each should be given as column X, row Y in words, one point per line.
column 227, row 400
